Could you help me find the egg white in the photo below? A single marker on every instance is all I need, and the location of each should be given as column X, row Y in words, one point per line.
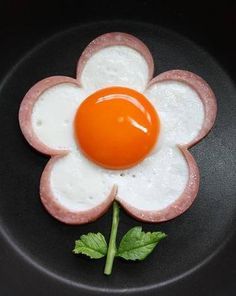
column 78, row 184
column 115, row 65
column 156, row 182
column 53, row 115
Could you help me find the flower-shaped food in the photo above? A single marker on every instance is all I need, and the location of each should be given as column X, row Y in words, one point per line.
column 150, row 171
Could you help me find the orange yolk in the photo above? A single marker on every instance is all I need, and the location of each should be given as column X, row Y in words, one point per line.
column 116, row 127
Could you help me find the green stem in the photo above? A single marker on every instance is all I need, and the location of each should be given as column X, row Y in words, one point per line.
column 111, row 253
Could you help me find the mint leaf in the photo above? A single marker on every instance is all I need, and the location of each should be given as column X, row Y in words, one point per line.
column 92, row 245
column 137, row 245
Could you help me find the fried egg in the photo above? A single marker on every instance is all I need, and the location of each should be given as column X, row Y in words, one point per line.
column 116, row 133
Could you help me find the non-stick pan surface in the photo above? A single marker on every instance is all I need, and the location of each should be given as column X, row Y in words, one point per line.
column 36, row 256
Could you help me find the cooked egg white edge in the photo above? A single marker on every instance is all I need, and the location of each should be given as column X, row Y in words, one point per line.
column 78, row 184
column 180, row 110
column 115, row 66
column 53, row 115
column 156, row 182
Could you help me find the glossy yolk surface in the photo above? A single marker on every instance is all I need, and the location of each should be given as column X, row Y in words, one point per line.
column 116, row 127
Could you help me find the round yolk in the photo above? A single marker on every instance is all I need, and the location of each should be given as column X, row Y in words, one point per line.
column 116, row 127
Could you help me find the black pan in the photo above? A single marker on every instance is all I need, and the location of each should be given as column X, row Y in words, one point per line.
column 198, row 256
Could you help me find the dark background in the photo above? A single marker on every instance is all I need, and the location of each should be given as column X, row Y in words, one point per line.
column 211, row 24
column 25, row 23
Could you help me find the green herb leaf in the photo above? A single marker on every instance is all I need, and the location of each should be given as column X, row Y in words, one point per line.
column 92, row 245
column 137, row 245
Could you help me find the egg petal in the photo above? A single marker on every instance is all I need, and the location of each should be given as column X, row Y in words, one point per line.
column 47, row 112
column 168, row 183
column 186, row 105
column 115, row 59
column 73, row 190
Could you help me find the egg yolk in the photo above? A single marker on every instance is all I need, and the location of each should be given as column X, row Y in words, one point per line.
column 116, row 127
